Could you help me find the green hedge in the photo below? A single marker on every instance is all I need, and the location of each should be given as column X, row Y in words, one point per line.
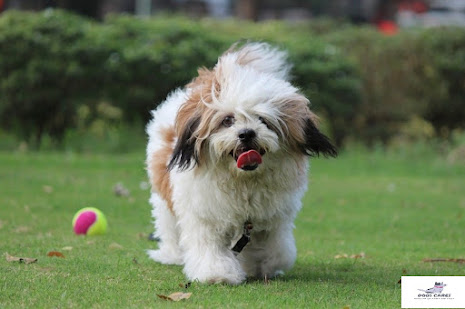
column 63, row 73
column 48, row 65
column 53, row 63
column 417, row 73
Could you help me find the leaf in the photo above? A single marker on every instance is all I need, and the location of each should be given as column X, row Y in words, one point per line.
column 175, row 296
column 10, row 258
column 120, row 190
column 47, row 189
column 361, row 255
column 461, row 261
column 115, row 245
column 21, row 229
column 55, row 253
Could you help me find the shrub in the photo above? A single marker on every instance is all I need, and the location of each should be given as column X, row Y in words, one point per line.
column 415, row 73
column 47, row 64
column 444, row 65
column 53, row 63
column 153, row 58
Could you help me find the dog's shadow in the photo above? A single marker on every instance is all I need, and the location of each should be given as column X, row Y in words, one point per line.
column 347, row 271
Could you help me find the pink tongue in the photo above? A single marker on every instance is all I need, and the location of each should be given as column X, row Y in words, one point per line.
column 249, row 158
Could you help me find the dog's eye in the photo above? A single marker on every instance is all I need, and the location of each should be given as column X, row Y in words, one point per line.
column 264, row 121
column 228, row 121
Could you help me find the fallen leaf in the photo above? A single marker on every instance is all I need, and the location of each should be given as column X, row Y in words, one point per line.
column 47, row 189
column 120, row 190
column 461, row 261
column 55, row 253
column 67, row 248
column 361, row 255
column 21, row 229
column 175, row 296
column 115, row 245
column 10, row 258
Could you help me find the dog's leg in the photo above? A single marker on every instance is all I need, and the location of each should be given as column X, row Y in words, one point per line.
column 270, row 253
column 206, row 256
column 166, row 230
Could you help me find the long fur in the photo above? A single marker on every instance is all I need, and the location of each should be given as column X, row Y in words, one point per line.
column 200, row 198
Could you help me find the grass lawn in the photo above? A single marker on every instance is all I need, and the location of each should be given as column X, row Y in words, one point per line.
column 396, row 210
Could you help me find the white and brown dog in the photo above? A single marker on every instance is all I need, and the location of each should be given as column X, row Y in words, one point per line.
column 227, row 151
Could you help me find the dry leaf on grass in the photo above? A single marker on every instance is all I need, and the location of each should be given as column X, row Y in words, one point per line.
column 175, row 296
column 361, row 255
column 120, row 190
column 55, row 253
column 115, row 245
column 10, row 258
column 47, row 189
column 461, row 261
column 21, row 229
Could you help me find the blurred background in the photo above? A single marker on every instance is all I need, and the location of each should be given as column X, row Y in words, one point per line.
column 82, row 76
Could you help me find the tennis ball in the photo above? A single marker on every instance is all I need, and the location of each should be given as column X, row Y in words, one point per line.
column 89, row 221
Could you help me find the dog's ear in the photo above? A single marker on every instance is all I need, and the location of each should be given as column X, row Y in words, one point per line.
column 315, row 141
column 302, row 128
column 184, row 151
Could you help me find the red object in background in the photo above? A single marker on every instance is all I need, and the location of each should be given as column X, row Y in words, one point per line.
column 387, row 27
column 414, row 6
column 2, row 3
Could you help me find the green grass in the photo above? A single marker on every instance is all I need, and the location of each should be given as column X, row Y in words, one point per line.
column 397, row 210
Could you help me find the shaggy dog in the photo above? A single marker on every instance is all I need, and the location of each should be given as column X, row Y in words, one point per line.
column 227, row 158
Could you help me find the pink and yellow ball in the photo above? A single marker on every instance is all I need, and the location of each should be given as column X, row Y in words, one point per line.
column 89, row 221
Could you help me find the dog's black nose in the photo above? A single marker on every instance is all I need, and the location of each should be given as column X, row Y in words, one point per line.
column 246, row 135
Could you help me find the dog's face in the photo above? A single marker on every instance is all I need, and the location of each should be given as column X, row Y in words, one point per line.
column 239, row 115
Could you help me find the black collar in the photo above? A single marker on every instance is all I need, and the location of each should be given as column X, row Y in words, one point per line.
column 244, row 240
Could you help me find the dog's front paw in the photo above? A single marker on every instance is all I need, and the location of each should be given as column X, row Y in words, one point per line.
column 211, row 271
column 165, row 256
